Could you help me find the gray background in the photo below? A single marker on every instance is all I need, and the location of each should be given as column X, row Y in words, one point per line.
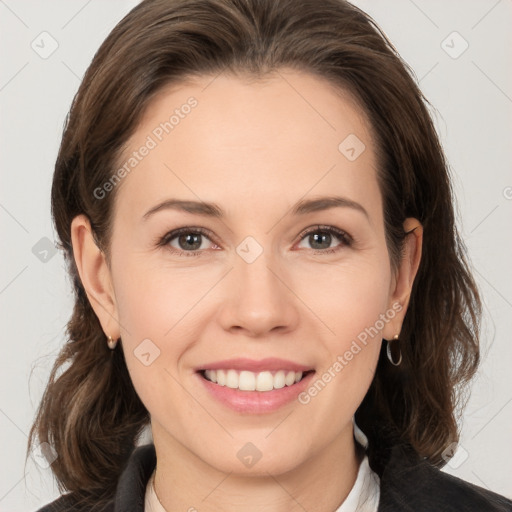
column 471, row 92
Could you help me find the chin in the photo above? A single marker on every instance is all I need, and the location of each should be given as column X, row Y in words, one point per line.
column 248, row 459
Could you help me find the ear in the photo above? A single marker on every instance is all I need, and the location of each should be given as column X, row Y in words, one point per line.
column 95, row 275
column 401, row 286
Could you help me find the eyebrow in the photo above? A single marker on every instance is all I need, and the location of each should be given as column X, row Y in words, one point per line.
column 303, row 207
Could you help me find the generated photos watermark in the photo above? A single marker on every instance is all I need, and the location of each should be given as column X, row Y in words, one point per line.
column 156, row 136
column 343, row 360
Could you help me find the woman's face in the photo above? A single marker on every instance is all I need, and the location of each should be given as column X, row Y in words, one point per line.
column 261, row 284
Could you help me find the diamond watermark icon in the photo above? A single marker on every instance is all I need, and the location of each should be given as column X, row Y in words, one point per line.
column 44, row 454
column 454, row 455
column 454, row 45
column 351, row 147
column 44, row 249
column 147, row 352
column 249, row 455
column 249, row 249
column 44, row 45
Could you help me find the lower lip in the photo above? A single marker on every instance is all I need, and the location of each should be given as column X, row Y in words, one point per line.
column 256, row 402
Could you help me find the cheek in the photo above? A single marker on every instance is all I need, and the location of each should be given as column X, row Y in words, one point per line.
column 145, row 315
column 360, row 308
column 151, row 299
column 158, row 311
column 352, row 307
column 351, row 299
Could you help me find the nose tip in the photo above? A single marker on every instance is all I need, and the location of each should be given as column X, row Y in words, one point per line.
column 257, row 299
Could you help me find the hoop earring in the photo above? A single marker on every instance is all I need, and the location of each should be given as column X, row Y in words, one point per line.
column 111, row 343
column 388, row 351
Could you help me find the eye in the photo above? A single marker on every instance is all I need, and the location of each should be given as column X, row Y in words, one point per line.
column 188, row 241
column 321, row 236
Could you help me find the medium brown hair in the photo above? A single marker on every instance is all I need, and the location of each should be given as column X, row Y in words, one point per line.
column 90, row 412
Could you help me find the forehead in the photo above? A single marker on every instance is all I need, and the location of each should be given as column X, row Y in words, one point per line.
column 237, row 141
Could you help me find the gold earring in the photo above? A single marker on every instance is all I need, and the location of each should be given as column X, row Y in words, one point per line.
column 111, row 343
column 388, row 351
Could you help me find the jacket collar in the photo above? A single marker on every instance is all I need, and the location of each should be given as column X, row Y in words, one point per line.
column 408, row 483
column 131, row 489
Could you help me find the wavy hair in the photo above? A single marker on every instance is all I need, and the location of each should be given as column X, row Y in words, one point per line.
column 90, row 412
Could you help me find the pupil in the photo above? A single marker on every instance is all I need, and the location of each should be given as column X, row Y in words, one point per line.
column 187, row 238
column 316, row 236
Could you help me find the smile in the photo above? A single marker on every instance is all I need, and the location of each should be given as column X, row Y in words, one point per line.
column 245, row 380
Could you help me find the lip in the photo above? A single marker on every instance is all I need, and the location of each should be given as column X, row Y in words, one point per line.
column 240, row 363
column 255, row 402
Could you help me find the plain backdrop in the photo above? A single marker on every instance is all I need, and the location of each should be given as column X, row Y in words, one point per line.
column 460, row 53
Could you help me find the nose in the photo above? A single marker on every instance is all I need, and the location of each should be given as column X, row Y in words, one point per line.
column 258, row 298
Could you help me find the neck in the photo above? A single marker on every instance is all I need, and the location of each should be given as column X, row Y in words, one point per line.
column 184, row 482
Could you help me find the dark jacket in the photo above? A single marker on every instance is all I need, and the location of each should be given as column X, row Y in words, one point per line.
column 408, row 484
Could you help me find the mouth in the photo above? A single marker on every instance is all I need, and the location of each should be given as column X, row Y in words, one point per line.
column 245, row 380
column 251, row 386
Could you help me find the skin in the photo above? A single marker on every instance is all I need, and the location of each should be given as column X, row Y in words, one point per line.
column 255, row 149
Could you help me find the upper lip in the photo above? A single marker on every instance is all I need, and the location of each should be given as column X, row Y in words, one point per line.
column 252, row 365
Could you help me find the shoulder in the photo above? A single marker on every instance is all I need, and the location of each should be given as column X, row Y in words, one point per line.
column 410, row 483
column 130, row 491
column 73, row 502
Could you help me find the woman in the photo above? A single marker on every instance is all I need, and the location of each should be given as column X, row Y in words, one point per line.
column 258, row 221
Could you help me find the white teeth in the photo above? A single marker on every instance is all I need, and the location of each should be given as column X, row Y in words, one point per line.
column 264, row 381
column 221, row 377
column 279, row 379
column 246, row 381
column 250, row 381
column 232, row 379
column 290, row 378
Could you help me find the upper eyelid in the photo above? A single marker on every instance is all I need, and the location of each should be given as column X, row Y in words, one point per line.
column 340, row 233
column 172, row 234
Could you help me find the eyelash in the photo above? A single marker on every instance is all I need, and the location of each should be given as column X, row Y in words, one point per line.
column 345, row 238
